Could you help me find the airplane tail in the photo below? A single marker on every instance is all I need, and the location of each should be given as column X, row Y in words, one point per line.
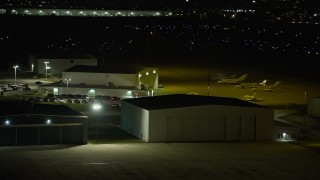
column 243, row 77
column 276, row 84
column 263, row 83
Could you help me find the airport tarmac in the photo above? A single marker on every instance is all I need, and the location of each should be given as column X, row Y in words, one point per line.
column 198, row 80
column 217, row 160
column 245, row 160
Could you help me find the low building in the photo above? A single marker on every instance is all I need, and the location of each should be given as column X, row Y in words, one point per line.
column 192, row 118
column 124, row 82
column 23, row 123
column 55, row 64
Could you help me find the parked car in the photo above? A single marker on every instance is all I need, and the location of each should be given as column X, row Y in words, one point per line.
column 111, row 84
column 3, row 89
column 39, row 82
column 14, row 87
column 114, row 98
column 77, row 101
column 115, row 106
column 26, row 88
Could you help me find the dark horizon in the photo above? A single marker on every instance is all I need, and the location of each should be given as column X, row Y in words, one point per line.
column 158, row 40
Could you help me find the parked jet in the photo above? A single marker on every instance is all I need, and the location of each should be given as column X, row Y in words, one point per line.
column 251, row 84
column 252, row 97
column 233, row 80
column 267, row 88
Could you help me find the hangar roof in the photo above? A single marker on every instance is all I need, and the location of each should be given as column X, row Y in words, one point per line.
column 105, row 69
column 22, row 107
column 184, row 100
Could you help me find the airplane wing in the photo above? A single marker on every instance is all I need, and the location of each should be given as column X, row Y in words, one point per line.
column 251, row 84
column 232, row 80
column 247, row 85
column 267, row 88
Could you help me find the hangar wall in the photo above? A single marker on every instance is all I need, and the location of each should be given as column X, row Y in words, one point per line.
column 135, row 120
column 126, row 93
column 210, row 123
column 59, row 65
column 202, row 123
column 100, row 78
column 313, row 109
column 42, row 134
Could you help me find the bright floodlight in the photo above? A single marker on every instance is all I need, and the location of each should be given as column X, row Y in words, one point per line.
column 96, row 107
column 7, row 122
column 284, row 134
column 48, row 121
column 46, row 62
column 15, row 73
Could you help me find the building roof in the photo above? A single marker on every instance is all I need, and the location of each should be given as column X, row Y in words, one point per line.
column 184, row 100
column 65, row 56
column 105, row 69
column 22, row 107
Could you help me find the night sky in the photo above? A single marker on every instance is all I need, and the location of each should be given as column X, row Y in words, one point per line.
column 157, row 40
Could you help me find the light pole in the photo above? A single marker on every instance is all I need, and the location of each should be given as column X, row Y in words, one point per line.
column 15, row 74
column 67, row 79
column 46, row 62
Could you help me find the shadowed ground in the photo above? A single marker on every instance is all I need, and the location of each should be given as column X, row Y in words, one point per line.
column 245, row 160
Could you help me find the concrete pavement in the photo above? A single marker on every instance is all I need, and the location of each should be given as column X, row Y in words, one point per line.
column 246, row 160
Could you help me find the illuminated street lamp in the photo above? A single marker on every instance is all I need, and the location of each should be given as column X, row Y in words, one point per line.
column 15, row 73
column 67, row 79
column 46, row 62
column 96, row 107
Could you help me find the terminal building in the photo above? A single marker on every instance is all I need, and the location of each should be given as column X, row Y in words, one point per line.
column 123, row 82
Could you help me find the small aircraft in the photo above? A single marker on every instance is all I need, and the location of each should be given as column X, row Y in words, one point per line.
column 233, row 80
column 251, row 84
column 250, row 97
column 267, row 88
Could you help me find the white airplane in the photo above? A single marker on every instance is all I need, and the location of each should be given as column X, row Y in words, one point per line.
column 267, row 88
column 252, row 97
column 233, row 80
column 251, row 85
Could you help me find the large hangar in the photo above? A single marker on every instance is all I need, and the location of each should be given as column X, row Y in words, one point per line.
column 192, row 118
